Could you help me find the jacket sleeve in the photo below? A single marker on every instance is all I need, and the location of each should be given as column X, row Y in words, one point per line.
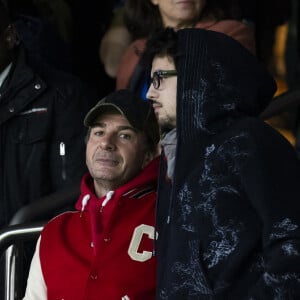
column 36, row 288
column 271, row 178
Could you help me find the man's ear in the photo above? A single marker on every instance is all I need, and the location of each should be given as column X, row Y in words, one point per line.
column 151, row 155
column 147, row 158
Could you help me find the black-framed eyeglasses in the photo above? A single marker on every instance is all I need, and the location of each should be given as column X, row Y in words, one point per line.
column 159, row 75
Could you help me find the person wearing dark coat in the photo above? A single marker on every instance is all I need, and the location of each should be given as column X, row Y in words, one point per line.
column 41, row 135
column 228, row 212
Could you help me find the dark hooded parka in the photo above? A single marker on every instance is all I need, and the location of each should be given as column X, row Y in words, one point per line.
column 229, row 222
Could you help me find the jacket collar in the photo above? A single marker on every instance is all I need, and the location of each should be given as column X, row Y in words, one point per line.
column 21, row 87
column 143, row 183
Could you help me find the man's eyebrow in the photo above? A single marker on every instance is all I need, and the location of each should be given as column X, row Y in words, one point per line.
column 127, row 128
column 98, row 124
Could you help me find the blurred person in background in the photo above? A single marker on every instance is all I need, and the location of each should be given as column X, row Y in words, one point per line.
column 41, row 137
column 143, row 17
column 40, row 129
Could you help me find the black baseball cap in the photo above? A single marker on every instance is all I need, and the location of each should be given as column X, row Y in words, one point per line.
column 138, row 112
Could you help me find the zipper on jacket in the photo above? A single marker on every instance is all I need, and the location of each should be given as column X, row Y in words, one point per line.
column 62, row 153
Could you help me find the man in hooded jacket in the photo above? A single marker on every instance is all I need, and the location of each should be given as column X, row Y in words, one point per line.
column 228, row 213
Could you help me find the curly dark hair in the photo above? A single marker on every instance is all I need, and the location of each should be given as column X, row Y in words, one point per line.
column 163, row 42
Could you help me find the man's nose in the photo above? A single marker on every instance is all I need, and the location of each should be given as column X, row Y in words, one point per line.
column 151, row 93
column 107, row 143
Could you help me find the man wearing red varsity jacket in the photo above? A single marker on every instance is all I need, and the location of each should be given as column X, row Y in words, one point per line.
column 104, row 250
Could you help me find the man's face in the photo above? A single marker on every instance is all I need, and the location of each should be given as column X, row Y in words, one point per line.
column 164, row 97
column 115, row 151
